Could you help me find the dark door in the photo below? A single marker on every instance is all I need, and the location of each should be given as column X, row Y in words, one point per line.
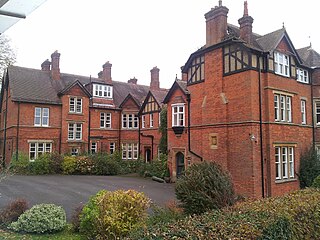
column 180, row 163
column 147, row 155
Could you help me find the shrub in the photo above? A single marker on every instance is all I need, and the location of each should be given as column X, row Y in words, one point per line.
column 105, row 164
column 55, row 163
column 12, row 211
column 84, row 165
column 316, row 182
column 75, row 218
column 113, row 214
column 39, row 166
column 158, row 167
column 20, row 165
column 41, row 218
column 69, row 164
column 295, row 216
column 204, row 186
column 309, row 168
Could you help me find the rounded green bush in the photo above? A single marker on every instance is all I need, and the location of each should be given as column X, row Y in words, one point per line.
column 204, row 186
column 41, row 218
column 316, row 182
column 110, row 215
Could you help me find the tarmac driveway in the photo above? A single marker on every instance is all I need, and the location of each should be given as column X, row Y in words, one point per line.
column 70, row 191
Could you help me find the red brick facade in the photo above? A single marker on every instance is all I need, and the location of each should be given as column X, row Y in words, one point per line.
column 234, row 95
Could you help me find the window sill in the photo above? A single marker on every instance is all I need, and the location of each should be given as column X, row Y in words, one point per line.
column 39, row 126
column 74, row 113
column 109, row 98
column 286, row 180
column 75, row 141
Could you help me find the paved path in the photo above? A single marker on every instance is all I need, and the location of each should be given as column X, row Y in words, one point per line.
column 70, row 191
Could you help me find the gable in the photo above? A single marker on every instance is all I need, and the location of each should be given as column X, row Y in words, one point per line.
column 129, row 103
column 75, row 90
column 150, row 104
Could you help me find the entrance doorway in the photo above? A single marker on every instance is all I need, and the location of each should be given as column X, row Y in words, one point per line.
column 147, row 154
column 179, row 163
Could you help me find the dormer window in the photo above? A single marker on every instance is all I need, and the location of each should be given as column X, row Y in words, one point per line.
column 281, row 64
column 104, row 91
column 302, row 75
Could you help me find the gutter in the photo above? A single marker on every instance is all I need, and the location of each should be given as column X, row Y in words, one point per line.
column 189, row 133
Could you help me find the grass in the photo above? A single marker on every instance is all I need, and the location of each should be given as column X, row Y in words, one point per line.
column 67, row 234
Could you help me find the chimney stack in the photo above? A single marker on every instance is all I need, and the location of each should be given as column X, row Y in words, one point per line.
column 184, row 76
column 246, row 25
column 55, row 61
column 155, row 84
column 106, row 72
column 45, row 66
column 133, row 80
column 100, row 74
column 216, row 24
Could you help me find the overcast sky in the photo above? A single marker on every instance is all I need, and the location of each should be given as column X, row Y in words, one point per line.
column 137, row 35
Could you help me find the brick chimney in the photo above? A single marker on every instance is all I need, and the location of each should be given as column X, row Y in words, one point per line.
column 133, row 80
column 155, row 84
column 246, row 25
column 106, row 72
column 100, row 74
column 55, row 61
column 45, row 66
column 216, row 24
column 184, row 76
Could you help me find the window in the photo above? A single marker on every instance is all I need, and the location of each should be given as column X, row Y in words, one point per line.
column 178, row 115
column 303, row 112
column 281, row 64
column 104, row 91
column 151, row 120
column 284, row 160
column 282, row 108
column 317, row 113
column 41, row 117
column 143, row 121
column 93, row 147
column 75, row 105
column 74, row 151
column 112, row 147
column 105, row 120
column 196, row 70
column 130, row 121
column 36, row 149
column 129, row 151
column 75, row 131
column 302, row 75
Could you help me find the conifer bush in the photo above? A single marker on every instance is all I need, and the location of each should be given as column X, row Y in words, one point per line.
column 316, row 182
column 41, row 218
column 309, row 168
column 203, row 187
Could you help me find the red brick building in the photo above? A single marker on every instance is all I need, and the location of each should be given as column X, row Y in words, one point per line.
column 245, row 101
column 48, row 111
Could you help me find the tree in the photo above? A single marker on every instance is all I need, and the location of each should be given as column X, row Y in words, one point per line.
column 7, row 54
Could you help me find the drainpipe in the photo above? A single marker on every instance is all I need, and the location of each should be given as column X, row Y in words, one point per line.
column 139, row 139
column 5, row 131
column 152, row 139
column 18, row 127
column 189, row 133
column 89, row 135
column 261, row 131
column 312, row 112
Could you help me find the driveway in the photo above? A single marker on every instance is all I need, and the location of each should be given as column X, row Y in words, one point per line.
column 70, row 191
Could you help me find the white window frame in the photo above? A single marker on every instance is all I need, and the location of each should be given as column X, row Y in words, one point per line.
column 284, row 162
column 282, row 108
column 41, row 117
column 151, row 120
column 105, row 120
column 75, row 131
column 178, row 115
column 130, row 121
column 94, row 147
column 281, row 64
column 129, row 151
column 112, row 147
column 36, row 149
column 143, row 121
column 302, row 75
column 103, row 91
column 317, row 113
column 303, row 111
column 75, row 105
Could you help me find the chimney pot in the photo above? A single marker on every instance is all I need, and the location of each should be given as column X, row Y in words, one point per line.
column 155, row 84
column 246, row 25
column 55, row 62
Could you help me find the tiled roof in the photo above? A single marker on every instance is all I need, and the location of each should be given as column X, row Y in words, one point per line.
column 309, row 56
column 32, row 85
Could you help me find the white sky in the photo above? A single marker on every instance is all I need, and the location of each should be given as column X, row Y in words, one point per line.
column 136, row 35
